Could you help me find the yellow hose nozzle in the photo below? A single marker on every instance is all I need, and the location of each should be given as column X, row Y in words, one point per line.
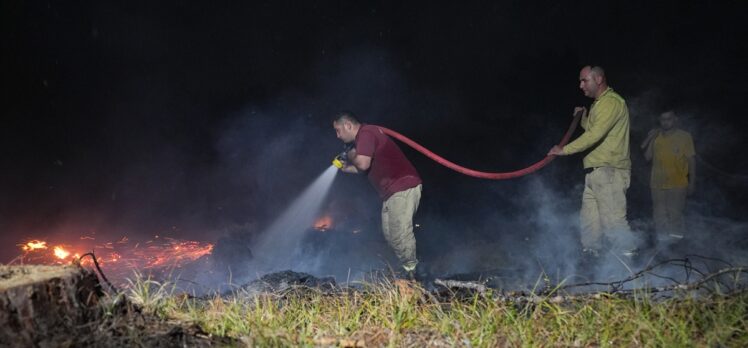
column 337, row 163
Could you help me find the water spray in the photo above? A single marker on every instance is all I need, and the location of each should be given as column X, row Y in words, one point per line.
column 278, row 244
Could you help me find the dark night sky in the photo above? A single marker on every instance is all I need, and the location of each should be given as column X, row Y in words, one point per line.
column 147, row 115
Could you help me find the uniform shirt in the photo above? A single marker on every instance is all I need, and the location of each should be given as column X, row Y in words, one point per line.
column 607, row 130
column 390, row 171
column 670, row 154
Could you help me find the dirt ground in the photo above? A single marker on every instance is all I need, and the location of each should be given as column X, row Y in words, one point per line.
column 65, row 306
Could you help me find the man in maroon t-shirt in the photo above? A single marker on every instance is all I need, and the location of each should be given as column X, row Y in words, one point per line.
column 392, row 175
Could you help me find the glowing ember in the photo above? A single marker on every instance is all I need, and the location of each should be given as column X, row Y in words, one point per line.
column 34, row 245
column 173, row 253
column 323, row 224
column 119, row 257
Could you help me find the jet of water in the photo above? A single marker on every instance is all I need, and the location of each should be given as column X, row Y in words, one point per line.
column 277, row 244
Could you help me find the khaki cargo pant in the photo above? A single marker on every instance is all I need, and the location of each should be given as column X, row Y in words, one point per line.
column 604, row 210
column 667, row 210
column 397, row 224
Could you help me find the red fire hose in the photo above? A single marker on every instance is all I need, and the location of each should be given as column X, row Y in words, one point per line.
column 478, row 174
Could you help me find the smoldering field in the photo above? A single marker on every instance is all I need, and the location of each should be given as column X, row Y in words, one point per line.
column 514, row 232
column 519, row 237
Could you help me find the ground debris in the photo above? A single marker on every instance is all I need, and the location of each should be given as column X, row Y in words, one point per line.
column 64, row 306
column 458, row 284
column 287, row 280
column 149, row 331
column 339, row 342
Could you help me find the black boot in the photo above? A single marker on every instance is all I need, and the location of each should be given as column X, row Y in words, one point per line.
column 422, row 274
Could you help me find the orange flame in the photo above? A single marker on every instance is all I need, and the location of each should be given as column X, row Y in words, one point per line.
column 120, row 256
column 323, row 224
column 175, row 252
column 34, row 245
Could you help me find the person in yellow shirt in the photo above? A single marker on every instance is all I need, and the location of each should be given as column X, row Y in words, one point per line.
column 673, row 175
column 607, row 164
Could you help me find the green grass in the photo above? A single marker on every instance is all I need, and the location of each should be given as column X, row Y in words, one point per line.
column 404, row 315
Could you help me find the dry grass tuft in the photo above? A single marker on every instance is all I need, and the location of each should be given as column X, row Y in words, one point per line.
column 402, row 314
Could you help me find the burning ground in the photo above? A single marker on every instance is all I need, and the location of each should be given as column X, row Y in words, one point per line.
column 120, row 258
column 692, row 300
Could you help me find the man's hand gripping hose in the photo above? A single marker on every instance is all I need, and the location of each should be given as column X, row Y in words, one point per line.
column 339, row 161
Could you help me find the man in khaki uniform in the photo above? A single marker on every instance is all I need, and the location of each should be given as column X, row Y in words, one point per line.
column 673, row 175
column 607, row 164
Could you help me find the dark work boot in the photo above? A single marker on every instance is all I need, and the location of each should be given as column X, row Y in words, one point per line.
column 588, row 262
column 407, row 273
column 411, row 275
column 422, row 273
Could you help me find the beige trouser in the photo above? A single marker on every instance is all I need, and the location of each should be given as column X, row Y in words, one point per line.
column 397, row 224
column 604, row 209
column 667, row 210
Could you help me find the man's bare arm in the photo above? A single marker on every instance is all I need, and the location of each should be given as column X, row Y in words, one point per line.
column 349, row 168
column 558, row 150
column 362, row 163
column 356, row 163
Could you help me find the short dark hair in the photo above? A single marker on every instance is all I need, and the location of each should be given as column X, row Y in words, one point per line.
column 599, row 71
column 346, row 116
